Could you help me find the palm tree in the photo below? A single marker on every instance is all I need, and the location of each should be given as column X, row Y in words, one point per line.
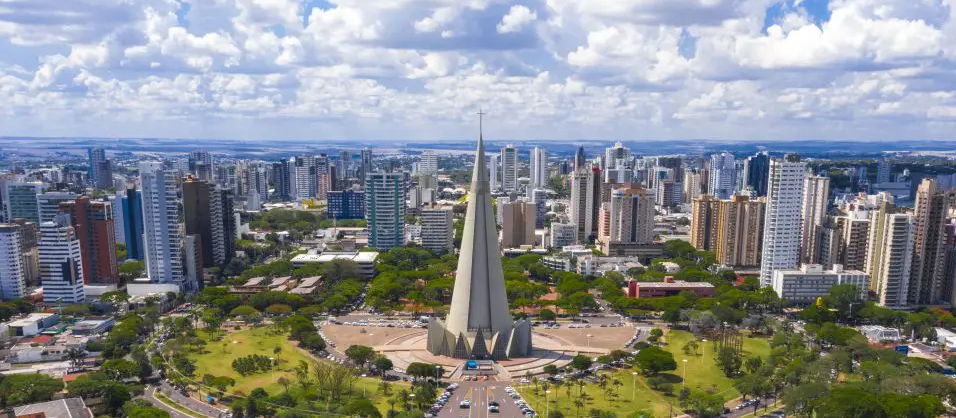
column 578, row 403
column 276, row 351
column 76, row 356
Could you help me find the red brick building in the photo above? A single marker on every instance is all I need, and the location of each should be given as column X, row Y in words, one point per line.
column 668, row 287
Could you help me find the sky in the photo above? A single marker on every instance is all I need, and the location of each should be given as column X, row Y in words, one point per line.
column 421, row 69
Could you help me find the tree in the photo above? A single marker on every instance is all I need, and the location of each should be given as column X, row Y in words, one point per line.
column 547, row 315
column 278, row 309
column 903, row 406
column 131, row 269
column 76, row 356
column 421, row 369
column 243, row 310
column 850, row 402
column 360, row 354
column 704, row 405
column 362, row 408
column 19, row 389
column 653, row 360
column 691, row 347
column 142, row 409
column 382, row 364
column 551, row 369
column 581, row 362
column 120, row 369
column 728, row 359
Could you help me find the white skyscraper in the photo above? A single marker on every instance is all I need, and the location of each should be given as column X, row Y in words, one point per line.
column 258, row 186
column 438, row 228
column 782, row 230
column 723, row 175
column 816, row 194
column 49, row 204
column 615, row 156
column 61, row 265
column 428, row 164
column 493, row 171
column 12, row 274
column 385, row 195
column 889, row 256
column 509, row 168
column 303, row 177
column 163, row 230
column 539, row 169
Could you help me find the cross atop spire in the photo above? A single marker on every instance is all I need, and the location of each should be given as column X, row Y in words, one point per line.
column 481, row 115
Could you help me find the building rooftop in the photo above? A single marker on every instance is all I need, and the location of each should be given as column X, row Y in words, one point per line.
column 310, row 281
column 279, row 281
column 255, row 281
column 29, row 319
column 63, row 408
column 675, row 284
column 358, row 257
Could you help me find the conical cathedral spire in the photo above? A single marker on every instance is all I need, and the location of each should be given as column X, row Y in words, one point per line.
column 479, row 305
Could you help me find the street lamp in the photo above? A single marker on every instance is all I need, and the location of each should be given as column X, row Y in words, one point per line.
column 589, row 340
column 412, row 396
column 547, row 403
column 634, row 385
column 370, row 339
column 704, row 341
column 683, row 376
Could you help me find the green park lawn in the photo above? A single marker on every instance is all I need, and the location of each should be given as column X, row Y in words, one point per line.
column 633, row 393
column 217, row 356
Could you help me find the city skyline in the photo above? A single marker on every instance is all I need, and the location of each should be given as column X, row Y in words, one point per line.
column 394, row 69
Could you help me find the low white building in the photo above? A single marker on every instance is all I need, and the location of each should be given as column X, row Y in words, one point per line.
column 947, row 338
column 592, row 265
column 811, row 281
column 364, row 259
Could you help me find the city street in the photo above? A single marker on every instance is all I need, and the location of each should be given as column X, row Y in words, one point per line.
column 184, row 401
column 481, row 394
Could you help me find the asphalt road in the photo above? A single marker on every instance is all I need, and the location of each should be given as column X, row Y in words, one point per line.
column 481, row 394
column 187, row 402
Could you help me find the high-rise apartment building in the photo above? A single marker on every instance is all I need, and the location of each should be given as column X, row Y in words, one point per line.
column 303, row 177
column 563, row 234
column 257, row 184
column 323, row 176
column 438, row 228
column 740, row 225
column 579, row 160
column 344, row 164
column 131, row 203
column 890, row 254
column 61, row 262
column 631, row 216
column 669, row 193
column 586, row 201
column 494, row 171
column 509, row 168
column 540, row 199
column 48, row 204
column 92, row 223
column 616, row 156
column 927, row 280
column 883, row 170
column 428, row 163
column 203, row 216
column 782, row 228
column 703, row 224
column 517, row 223
column 21, row 201
column 100, row 171
column 365, row 165
column 757, row 169
column 844, row 240
column 732, row 228
column 29, row 239
column 163, row 230
column 816, row 198
column 691, row 185
column 385, row 195
column 723, row 175
column 282, row 180
column 539, row 169
column 347, row 204
column 202, row 165
column 12, row 275
column 229, row 221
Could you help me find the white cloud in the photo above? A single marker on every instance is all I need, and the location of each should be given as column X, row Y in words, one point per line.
column 516, row 19
column 419, row 68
